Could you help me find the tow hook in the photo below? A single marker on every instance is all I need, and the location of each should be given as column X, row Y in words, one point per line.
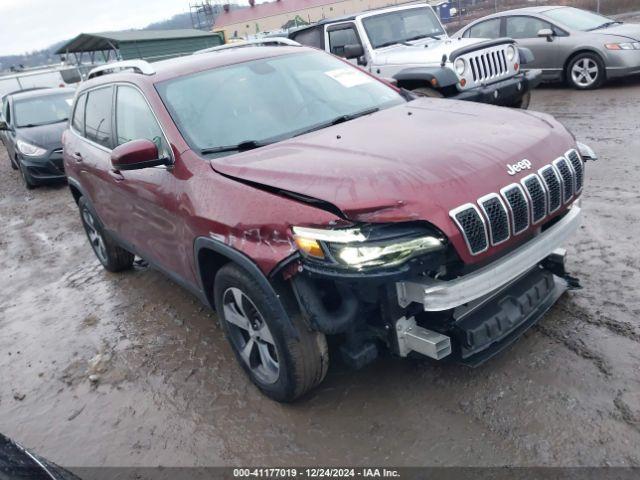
column 555, row 264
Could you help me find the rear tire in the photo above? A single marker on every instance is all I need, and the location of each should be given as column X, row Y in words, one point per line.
column 112, row 257
column 427, row 92
column 585, row 71
column 282, row 366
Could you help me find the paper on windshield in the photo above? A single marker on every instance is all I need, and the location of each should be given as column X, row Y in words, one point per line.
column 349, row 77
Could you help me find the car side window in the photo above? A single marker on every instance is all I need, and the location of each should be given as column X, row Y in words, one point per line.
column 486, row 29
column 77, row 121
column 525, row 27
column 340, row 37
column 311, row 37
column 135, row 120
column 97, row 121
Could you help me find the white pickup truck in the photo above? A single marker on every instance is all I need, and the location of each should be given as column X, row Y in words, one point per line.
column 409, row 45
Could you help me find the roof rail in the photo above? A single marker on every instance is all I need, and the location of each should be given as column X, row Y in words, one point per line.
column 258, row 42
column 137, row 66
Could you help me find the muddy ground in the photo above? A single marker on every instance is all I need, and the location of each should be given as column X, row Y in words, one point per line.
column 169, row 392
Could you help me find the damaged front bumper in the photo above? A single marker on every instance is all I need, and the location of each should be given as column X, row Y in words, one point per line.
column 506, row 92
column 468, row 319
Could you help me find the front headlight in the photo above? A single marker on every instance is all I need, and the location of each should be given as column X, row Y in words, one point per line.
column 460, row 66
column 29, row 149
column 623, row 46
column 511, row 52
column 369, row 247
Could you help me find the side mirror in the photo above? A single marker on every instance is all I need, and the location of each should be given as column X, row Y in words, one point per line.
column 136, row 154
column 353, row 51
column 546, row 32
column 3, row 125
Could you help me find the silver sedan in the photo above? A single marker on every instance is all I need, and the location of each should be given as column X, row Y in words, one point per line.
column 581, row 47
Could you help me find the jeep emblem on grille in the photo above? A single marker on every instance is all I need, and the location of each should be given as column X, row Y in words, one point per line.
column 516, row 167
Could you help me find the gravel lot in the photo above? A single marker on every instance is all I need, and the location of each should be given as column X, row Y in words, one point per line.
column 169, row 392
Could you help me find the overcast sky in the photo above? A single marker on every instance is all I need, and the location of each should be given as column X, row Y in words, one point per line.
column 27, row 25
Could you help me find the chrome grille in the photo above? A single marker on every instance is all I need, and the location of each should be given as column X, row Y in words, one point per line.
column 498, row 220
column 578, row 168
column 566, row 174
column 519, row 205
column 537, row 196
column 470, row 222
column 488, row 64
column 553, row 185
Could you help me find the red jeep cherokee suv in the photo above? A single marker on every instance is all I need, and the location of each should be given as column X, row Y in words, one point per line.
column 301, row 197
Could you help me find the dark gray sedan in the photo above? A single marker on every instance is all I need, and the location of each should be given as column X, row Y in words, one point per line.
column 31, row 129
column 581, row 47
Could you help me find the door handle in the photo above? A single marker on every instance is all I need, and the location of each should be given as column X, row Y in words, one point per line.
column 77, row 156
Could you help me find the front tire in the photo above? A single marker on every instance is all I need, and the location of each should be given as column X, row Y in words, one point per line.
column 112, row 257
column 282, row 366
column 427, row 92
column 26, row 178
column 524, row 102
column 585, row 72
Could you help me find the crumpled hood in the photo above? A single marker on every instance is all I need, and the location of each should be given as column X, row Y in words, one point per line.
column 416, row 161
column 425, row 52
column 629, row 30
column 45, row 136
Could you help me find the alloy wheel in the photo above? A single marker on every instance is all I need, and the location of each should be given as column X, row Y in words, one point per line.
column 95, row 237
column 250, row 335
column 585, row 72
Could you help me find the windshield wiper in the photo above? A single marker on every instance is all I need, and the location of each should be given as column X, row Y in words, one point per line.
column 30, row 125
column 338, row 120
column 240, row 147
column 426, row 35
column 605, row 25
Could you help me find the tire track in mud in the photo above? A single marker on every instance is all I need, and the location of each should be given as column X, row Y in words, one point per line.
column 623, row 329
column 578, row 347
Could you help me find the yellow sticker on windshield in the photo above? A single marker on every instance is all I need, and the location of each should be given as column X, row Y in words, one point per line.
column 349, row 77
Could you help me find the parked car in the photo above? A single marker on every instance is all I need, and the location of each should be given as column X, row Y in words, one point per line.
column 301, row 197
column 16, row 462
column 31, row 126
column 42, row 77
column 580, row 47
column 409, row 45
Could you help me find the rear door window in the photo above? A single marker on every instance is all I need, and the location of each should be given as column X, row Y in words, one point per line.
column 98, row 116
column 77, row 121
column 487, row 29
column 135, row 120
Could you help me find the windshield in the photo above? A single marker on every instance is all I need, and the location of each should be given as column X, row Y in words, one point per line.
column 253, row 103
column 43, row 109
column 402, row 26
column 578, row 19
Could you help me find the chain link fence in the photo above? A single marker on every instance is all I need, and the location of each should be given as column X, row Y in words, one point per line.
column 457, row 13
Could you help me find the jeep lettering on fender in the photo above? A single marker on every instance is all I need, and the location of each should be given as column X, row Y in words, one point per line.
column 517, row 167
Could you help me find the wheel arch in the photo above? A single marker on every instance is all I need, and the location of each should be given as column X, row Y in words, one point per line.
column 433, row 77
column 212, row 254
column 580, row 51
column 76, row 189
